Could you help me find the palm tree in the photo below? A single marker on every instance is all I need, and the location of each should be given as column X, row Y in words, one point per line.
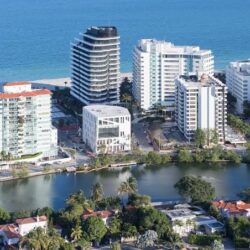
column 126, row 98
column 76, row 233
column 97, row 192
column 132, row 183
column 35, row 240
column 128, row 187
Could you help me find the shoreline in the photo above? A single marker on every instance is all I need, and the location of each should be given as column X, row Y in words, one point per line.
column 86, row 171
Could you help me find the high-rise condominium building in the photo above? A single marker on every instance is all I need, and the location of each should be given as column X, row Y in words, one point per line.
column 96, row 66
column 201, row 103
column 238, row 82
column 156, row 64
column 106, row 128
column 25, row 121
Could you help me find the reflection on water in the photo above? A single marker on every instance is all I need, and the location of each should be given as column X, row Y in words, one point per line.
column 157, row 181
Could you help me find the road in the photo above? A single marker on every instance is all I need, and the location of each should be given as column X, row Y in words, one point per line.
column 141, row 137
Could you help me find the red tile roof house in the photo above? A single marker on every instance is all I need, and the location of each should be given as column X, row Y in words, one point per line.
column 233, row 208
column 12, row 233
column 9, row 233
column 105, row 215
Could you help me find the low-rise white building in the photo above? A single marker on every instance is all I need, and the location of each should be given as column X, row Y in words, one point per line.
column 106, row 128
column 26, row 225
column 238, row 82
column 201, row 103
column 12, row 233
column 182, row 220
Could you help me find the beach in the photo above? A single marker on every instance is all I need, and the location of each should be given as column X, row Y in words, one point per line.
column 65, row 82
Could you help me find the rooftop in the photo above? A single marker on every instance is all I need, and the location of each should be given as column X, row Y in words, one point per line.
column 31, row 220
column 232, row 206
column 102, row 31
column 103, row 214
column 10, row 230
column 179, row 213
column 16, row 83
column 242, row 67
column 25, row 94
column 106, row 110
column 170, row 48
column 204, row 81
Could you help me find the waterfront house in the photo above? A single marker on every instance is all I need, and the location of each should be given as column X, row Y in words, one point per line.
column 9, row 234
column 26, row 225
column 105, row 215
column 182, row 220
column 233, row 208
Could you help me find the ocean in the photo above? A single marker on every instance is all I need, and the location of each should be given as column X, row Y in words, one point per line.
column 35, row 35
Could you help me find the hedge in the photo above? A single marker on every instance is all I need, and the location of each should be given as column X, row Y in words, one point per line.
column 203, row 240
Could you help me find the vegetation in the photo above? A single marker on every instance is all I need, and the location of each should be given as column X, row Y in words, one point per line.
column 200, row 137
column 238, row 124
column 4, row 216
column 184, row 155
column 245, row 194
column 95, row 229
column 203, row 240
column 20, row 173
column 66, row 100
column 238, row 230
column 195, row 189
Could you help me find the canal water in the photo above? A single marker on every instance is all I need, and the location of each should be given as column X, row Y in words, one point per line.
column 158, row 182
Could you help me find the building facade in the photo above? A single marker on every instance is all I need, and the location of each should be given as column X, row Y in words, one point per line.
column 96, row 66
column 238, row 82
column 201, row 103
column 106, row 128
column 25, row 121
column 156, row 64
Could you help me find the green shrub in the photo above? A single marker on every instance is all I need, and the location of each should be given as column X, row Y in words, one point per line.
column 203, row 240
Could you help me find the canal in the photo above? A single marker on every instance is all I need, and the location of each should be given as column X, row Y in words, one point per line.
column 52, row 190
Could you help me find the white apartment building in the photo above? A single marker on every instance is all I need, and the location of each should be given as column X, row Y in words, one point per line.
column 238, row 82
column 201, row 103
column 156, row 64
column 106, row 128
column 96, row 66
column 25, row 121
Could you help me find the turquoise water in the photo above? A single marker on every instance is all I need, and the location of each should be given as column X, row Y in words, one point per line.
column 158, row 182
column 35, row 35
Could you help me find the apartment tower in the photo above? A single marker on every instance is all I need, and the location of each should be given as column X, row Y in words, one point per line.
column 156, row 64
column 238, row 82
column 96, row 66
column 25, row 121
column 201, row 103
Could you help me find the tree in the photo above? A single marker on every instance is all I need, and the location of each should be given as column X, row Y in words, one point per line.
column 129, row 230
column 153, row 158
column 217, row 245
column 147, row 240
column 199, row 137
column 76, row 233
column 115, row 246
column 149, row 218
column 115, row 227
column 4, row 216
column 97, row 192
column 138, row 200
column 128, row 187
column 95, row 229
column 35, row 240
column 245, row 194
column 184, row 155
column 195, row 188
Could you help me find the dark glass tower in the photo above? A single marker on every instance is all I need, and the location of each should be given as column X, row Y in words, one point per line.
column 96, row 66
